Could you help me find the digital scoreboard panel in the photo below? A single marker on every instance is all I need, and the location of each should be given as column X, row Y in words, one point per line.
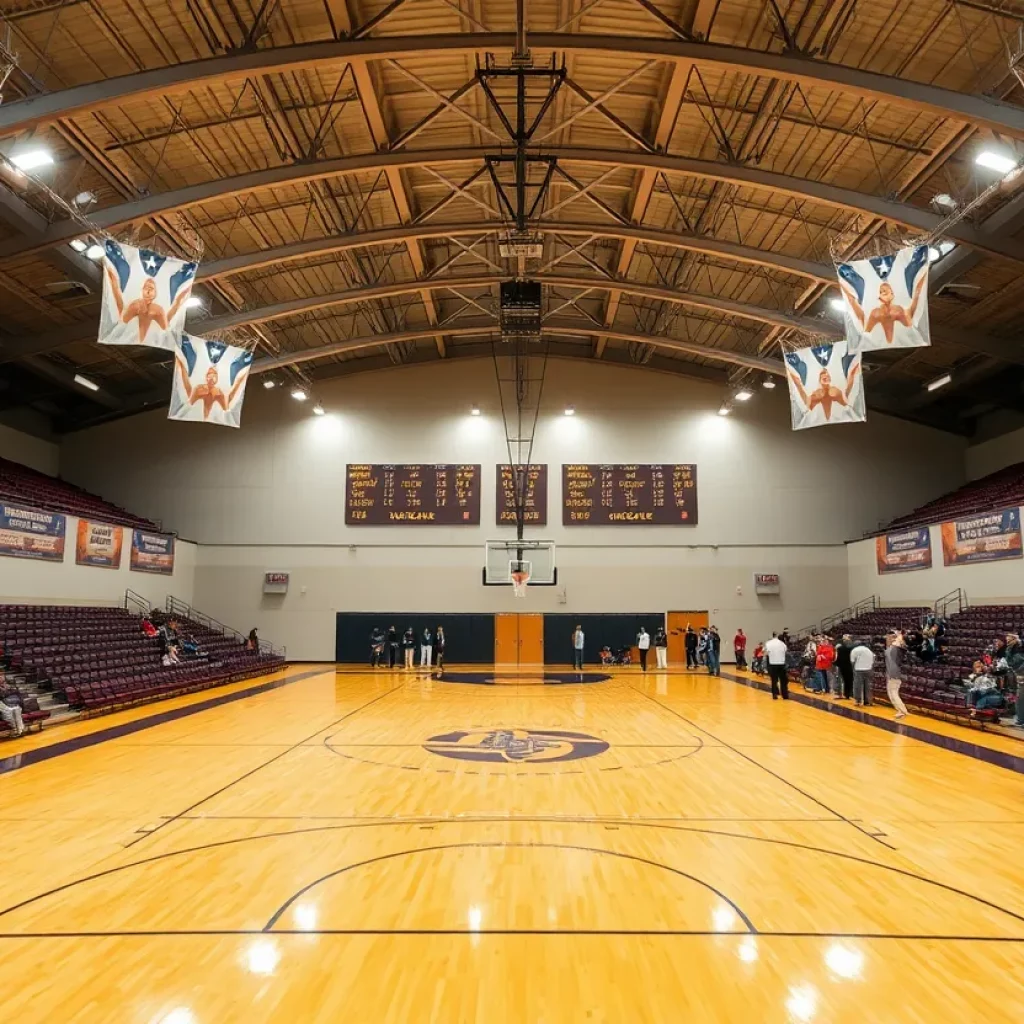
column 536, row 503
column 659, row 495
column 414, row 495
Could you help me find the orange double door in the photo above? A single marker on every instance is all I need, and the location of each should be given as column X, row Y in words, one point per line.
column 519, row 638
column 677, row 623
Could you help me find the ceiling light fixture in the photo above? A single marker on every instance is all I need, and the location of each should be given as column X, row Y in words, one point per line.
column 32, row 159
column 725, row 410
column 768, row 382
column 474, row 410
column 318, row 410
column 933, row 254
column 946, row 247
column 570, row 410
column 94, row 252
column 838, row 304
column 86, row 383
column 269, row 382
column 78, row 245
column 944, row 201
column 84, row 199
column 194, row 302
column 996, row 160
column 939, row 382
column 743, row 395
column 299, row 395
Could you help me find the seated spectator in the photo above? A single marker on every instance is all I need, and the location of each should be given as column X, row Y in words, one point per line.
column 10, row 708
column 191, row 647
column 170, row 657
column 983, row 691
column 148, row 628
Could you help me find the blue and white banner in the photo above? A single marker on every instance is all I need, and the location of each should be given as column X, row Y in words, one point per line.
column 886, row 300
column 27, row 533
column 144, row 296
column 209, row 382
column 904, row 551
column 152, row 552
column 984, row 538
column 825, row 386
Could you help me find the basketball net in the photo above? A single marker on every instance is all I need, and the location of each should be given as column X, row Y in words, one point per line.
column 520, row 580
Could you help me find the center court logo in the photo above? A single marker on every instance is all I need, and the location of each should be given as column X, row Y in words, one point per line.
column 514, row 746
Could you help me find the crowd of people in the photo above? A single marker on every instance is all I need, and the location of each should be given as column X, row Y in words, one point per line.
column 384, row 646
column 175, row 644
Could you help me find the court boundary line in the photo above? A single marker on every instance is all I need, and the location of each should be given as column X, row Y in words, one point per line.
column 955, row 745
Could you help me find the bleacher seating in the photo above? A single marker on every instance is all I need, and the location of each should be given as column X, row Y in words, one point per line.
column 999, row 490
column 19, row 484
column 100, row 659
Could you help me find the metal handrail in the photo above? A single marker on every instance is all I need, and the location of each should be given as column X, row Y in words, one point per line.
column 175, row 606
column 944, row 603
column 137, row 601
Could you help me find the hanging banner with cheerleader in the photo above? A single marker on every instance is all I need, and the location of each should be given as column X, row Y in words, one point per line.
column 209, row 382
column 144, row 296
column 886, row 300
column 825, row 386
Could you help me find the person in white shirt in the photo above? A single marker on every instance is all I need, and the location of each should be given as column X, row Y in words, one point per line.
column 643, row 641
column 863, row 660
column 775, row 651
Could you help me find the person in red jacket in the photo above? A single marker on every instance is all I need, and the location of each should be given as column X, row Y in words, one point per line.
column 739, row 645
column 824, row 659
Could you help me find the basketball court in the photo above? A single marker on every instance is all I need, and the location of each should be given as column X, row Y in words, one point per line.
column 664, row 848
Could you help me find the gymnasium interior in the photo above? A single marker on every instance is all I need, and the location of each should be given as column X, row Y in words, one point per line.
column 510, row 511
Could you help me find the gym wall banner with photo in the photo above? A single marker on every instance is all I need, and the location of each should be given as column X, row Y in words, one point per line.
column 27, row 533
column 904, row 551
column 152, row 552
column 98, row 544
column 983, row 538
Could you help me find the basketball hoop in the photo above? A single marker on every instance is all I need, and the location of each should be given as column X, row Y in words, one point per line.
column 519, row 573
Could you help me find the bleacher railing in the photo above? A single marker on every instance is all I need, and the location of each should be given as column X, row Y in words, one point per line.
column 175, row 606
column 952, row 603
column 136, row 603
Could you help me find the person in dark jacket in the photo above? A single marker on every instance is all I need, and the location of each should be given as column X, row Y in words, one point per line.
column 392, row 646
column 691, row 647
column 409, row 646
column 844, row 665
column 426, row 648
column 714, row 652
column 376, row 646
column 439, row 644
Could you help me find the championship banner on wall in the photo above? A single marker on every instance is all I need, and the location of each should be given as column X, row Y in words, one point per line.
column 152, row 552
column 987, row 538
column 886, row 300
column 904, row 551
column 98, row 544
column 825, row 386
column 209, row 382
column 25, row 533
column 144, row 297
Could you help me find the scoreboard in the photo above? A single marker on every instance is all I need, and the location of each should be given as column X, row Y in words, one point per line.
column 536, row 504
column 414, row 495
column 660, row 495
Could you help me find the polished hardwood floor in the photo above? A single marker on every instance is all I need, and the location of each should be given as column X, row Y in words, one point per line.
column 374, row 847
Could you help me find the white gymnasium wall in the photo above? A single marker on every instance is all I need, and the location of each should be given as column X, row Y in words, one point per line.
column 271, row 496
column 994, row 454
column 29, row 581
column 17, row 446
column 984, row 583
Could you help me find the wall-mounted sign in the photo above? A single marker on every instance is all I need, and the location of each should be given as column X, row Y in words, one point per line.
column 904, row 551
column 766, row 583
column 275, row 582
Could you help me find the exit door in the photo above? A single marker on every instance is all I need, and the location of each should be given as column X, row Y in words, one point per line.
column 677, row 623
column 519, row 638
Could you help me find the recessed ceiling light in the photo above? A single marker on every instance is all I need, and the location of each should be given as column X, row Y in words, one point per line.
column 299, row 395
column 570, row 410
column 32, row 159
column 318, row 410
column 86, row 383
column 743, row 395
column 768, row 382
column 269, row 383
column 996, row 160
column 939, row 382
column 94, row 252
column 724, row 411
column 78, row 245
column 475, row 410
column 194, row 302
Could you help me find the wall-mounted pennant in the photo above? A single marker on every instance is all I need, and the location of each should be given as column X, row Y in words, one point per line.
column 209, row 382
column 144, row 297
column 825, row 386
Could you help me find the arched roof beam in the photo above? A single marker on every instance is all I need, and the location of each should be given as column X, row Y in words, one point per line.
column 736, row 174
column 34, row 111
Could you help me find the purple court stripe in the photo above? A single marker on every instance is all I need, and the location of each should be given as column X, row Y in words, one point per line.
column 1000, row 758
column 40, row 754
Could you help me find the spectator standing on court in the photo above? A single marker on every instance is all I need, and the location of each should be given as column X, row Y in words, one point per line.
column 1015, row 665
column 739, row 645
column 690, row 641
column 439, row 644
column 643, row 643
column 714, row 652
column 844, row 666
column 392, row 646
column 775, row 651
column 894, row 650
column 577, row 647
column 862, row 659
column 376, row 646
column 409, row 646
column 824, row 659
column 702, row 646
column 426, row 648
column 661, row 647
